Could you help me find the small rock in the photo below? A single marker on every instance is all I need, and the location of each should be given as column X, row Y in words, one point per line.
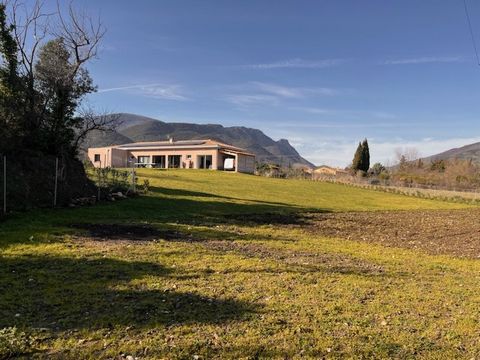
column 130, row 357
column 30, row 280
column 17, row 315
column 383, row 323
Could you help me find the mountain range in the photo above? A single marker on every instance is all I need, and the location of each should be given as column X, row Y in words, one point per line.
column 467, row 152
column 136, row 128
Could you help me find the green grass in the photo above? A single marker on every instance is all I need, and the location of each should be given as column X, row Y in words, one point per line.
column 250, row 289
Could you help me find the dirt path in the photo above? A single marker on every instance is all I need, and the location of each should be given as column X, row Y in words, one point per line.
column 450, row 232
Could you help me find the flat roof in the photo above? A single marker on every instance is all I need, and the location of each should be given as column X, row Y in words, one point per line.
column 181, row 144
column 157, row 144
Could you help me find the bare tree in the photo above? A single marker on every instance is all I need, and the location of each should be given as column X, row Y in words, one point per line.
column 91, row 121
column 407, row 154
column 33, row 27
column 80, row 34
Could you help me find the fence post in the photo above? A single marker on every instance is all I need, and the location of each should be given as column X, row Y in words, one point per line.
column 133, row 179
column 5, row 184
column 56, row 183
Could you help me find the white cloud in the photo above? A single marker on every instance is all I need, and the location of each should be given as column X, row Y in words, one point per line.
column 257, row 93
column 156, row 91
column 294, row 92
column 244, row 100
column 297, row 63
column 425, row 60
column 354, row 114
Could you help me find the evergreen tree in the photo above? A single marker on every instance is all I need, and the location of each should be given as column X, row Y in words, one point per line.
column 377, row 169
column 357, row 159
column 10, row 84
column 361, row 159
column 61, row 87
column 365, row 165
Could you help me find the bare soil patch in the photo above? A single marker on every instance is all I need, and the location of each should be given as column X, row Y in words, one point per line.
column 131, row 232
column 268, row 218
column 449, row 232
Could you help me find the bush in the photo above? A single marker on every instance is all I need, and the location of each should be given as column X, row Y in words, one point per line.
column 13, row 343
column 146, row 186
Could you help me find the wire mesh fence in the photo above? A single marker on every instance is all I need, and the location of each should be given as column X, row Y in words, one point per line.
column 33, row 181
column 48, row 182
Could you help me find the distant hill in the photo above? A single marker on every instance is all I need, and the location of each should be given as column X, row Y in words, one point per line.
column 467, row 152
column 135, row 128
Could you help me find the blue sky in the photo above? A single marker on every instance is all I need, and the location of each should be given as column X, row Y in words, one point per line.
column 323, row 74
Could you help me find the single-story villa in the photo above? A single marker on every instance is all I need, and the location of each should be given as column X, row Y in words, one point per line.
column 325, row 170
column 187, row 154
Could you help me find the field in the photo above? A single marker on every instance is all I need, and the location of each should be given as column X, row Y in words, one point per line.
column 222, row 265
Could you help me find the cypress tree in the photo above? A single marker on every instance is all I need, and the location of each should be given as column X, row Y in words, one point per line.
column 357, row 158
column 365, row 165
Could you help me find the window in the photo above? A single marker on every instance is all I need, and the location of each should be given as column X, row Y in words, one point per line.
column 159, row 161
column 96, row 158
column 205, row 162
column 174, row 161
column 143, row 161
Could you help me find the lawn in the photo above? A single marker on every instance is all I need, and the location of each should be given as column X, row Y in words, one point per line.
column 223, row 265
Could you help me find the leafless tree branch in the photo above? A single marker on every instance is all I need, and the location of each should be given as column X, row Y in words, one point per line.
column 92, row 121
column 81, row 34
column 33, row 27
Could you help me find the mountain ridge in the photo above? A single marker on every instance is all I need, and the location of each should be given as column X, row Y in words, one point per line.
column 466, row 152
column 136, row 128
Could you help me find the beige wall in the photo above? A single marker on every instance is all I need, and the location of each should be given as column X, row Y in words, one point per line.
column 325, row 171
column 119, row 158
column 109, row 157
column 105, row 159
column 245, row 163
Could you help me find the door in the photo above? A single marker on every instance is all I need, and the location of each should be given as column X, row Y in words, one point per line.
column 159, row 161
column 205, row 162
column 174, row 161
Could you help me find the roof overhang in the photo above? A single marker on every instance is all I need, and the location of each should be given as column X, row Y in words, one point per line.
column 233, row 152
column 160, row 148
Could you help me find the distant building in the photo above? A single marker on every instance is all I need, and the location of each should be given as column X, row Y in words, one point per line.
column 189, row 154
column 325, row 170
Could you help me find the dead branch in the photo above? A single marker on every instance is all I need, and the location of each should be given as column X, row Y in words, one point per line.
column 81, row 34
column 91, row 121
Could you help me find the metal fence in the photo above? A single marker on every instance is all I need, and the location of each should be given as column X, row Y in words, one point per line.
column 25, row 185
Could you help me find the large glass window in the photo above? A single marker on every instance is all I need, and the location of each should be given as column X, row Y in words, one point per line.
column 143, row 161
column 174, row 161
column 159, row 161
column 205, row 162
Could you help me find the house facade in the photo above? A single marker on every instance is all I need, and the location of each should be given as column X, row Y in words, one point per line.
column 187, row 154
column 325, row 170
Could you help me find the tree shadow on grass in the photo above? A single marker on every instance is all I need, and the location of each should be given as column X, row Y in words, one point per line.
column 39, row 226
column 61, row 293
column 173, row 233
column 183, row 192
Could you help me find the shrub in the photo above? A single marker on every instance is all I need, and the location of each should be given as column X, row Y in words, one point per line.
column 13, row 342
column 146, row 186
